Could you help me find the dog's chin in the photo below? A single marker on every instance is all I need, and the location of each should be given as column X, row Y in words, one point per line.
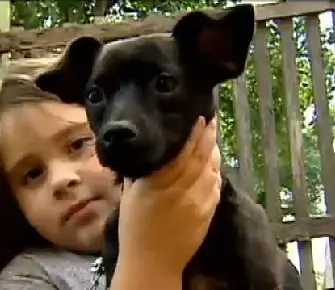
column 130, row 162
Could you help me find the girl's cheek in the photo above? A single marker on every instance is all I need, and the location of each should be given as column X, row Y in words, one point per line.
column 93, row 161
column 114, row 195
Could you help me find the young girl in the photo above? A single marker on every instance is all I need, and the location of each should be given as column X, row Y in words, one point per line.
column 55, row 198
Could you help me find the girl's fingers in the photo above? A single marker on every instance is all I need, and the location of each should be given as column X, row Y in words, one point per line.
column 216, row 159
column 127, row 183
column 202, row 153
column 205, row 194
column 171, row 171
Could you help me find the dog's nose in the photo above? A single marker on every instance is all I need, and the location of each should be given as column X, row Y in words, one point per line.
column 121, row 131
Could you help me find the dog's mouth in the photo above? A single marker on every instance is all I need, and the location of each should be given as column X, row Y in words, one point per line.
column 130, row 159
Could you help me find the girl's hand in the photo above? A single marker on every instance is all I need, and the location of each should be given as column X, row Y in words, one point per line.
column 165, row 217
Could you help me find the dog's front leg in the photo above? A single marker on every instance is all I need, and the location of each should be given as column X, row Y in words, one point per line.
column 111, row 251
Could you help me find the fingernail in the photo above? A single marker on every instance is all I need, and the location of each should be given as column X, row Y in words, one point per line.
column 201, row 121
column 213, row 122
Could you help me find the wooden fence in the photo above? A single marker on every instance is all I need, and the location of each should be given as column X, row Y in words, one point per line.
column 39, row 43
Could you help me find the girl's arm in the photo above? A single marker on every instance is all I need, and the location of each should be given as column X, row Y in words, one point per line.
column 133, row 277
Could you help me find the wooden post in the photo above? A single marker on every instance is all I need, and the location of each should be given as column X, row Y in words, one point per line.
column 4, row 27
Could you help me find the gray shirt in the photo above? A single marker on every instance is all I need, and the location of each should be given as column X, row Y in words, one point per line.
column 49, row 270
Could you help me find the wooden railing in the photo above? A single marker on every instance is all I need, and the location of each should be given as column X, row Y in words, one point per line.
column 304, row 228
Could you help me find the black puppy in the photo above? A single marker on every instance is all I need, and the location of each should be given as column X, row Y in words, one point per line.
column 143, row 96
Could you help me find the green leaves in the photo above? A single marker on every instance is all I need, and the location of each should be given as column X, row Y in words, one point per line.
column 32, row 13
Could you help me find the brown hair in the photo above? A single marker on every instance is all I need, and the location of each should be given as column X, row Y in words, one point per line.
column 16, row 232
column 19, row 89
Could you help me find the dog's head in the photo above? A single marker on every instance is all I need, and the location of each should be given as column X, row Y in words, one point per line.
column 143, row 95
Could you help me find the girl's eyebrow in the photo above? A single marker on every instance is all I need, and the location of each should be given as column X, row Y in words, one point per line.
column 68, row 130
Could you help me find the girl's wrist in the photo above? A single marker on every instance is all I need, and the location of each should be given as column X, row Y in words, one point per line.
column 131, row 275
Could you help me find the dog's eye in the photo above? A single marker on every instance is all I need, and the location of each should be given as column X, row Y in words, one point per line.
column 95, row 95
column 165, row 83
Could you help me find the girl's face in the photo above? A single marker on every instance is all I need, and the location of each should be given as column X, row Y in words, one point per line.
column 47, row 150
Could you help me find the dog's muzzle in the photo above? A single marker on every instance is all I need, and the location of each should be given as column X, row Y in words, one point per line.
column 118, row 134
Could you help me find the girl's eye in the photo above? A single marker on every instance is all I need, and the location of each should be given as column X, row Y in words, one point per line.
column 80, row 144
column 33, row 174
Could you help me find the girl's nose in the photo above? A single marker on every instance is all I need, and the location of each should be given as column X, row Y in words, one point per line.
column 64, row 179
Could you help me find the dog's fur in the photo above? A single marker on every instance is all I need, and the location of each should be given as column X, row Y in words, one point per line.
column 143, row 96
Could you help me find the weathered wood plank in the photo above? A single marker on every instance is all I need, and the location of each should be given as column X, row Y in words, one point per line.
column 290, row 9
column 28, row 66
column 216, row 95
column 243, row 132
column 264, row 83
column 323, row 122
column 296, row 147
column 48, row 39
column 305, row 229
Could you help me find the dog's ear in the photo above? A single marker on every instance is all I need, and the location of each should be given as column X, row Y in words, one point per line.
column 216, row 47
column 68, row 77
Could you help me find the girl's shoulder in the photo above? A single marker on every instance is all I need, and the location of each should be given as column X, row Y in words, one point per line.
column 49, row 269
